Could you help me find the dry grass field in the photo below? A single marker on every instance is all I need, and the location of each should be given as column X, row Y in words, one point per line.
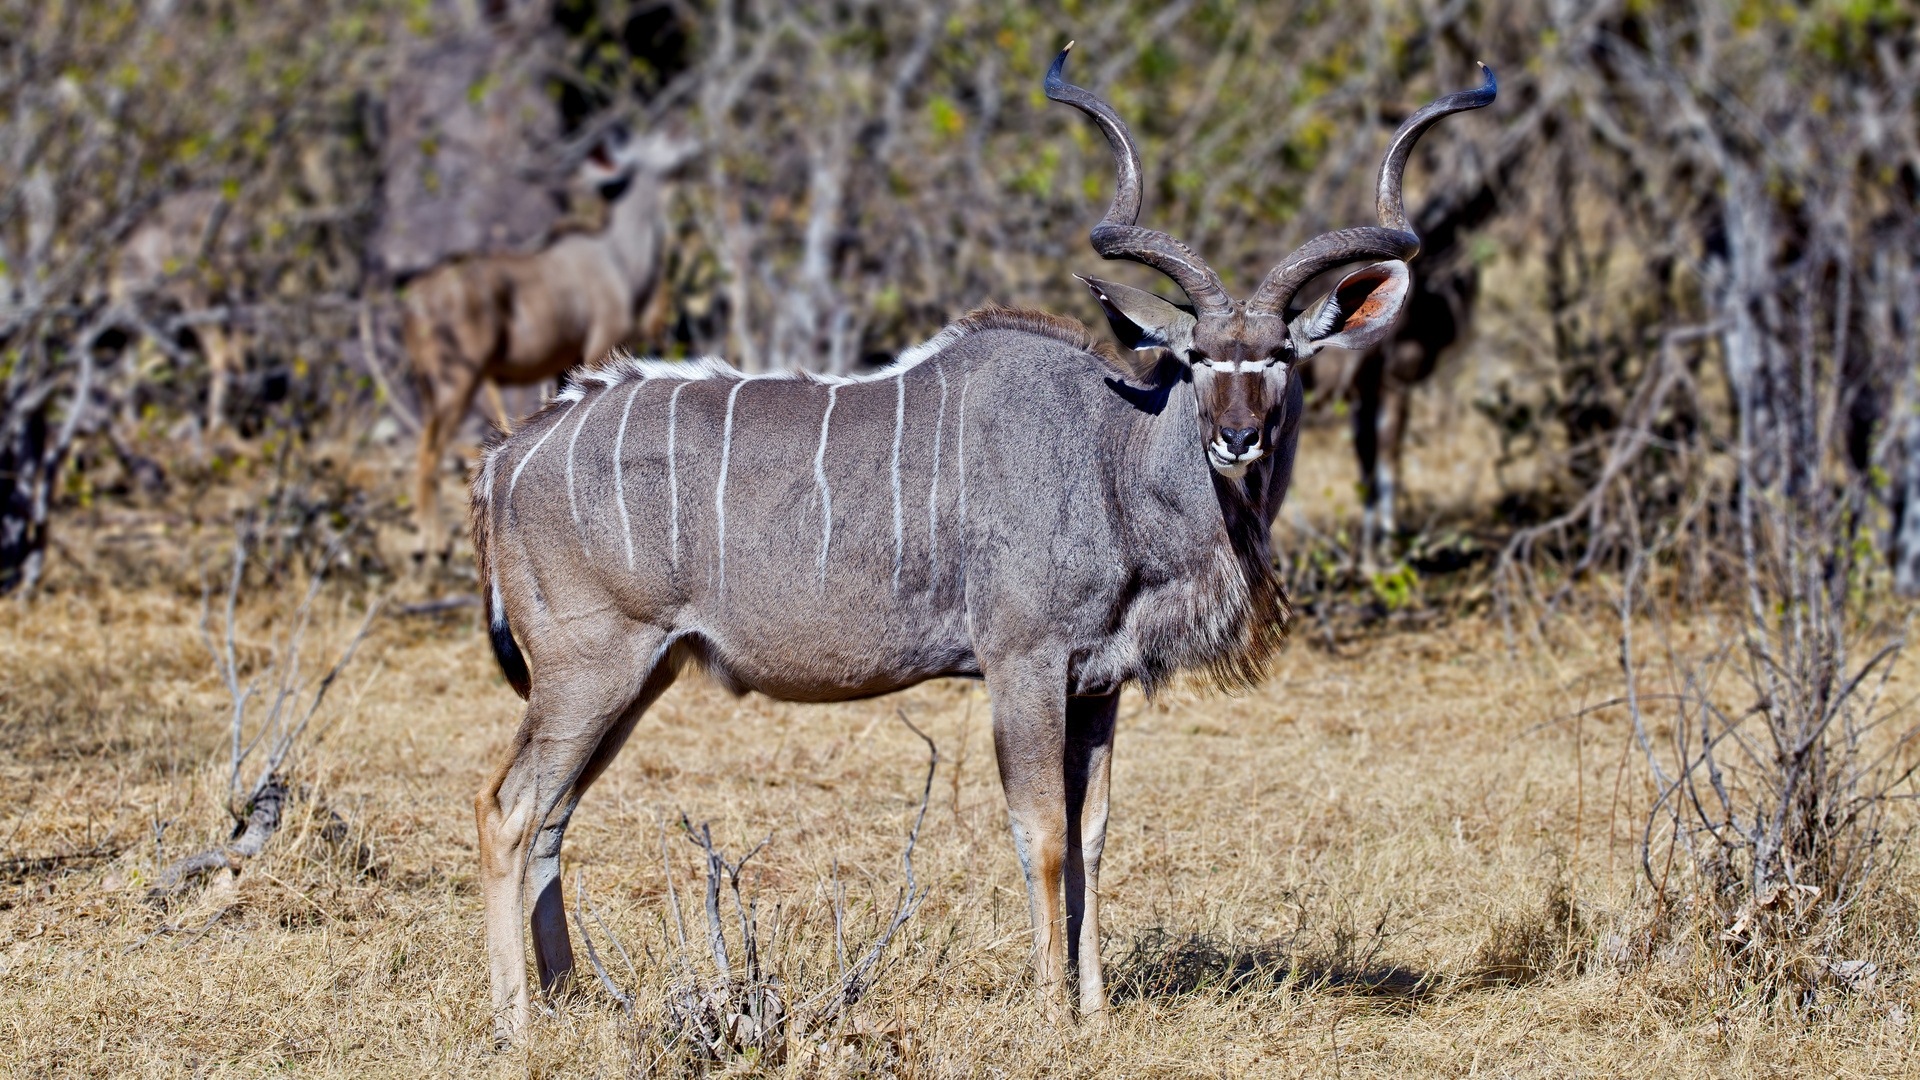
column 1396, row 858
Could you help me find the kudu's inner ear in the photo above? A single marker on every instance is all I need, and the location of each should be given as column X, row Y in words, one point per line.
column 1359, row 312
column 1142, row 320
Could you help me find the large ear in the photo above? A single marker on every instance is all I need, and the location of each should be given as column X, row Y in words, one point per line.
column 663, row 153
column 1359, row 312
column 1142, row 320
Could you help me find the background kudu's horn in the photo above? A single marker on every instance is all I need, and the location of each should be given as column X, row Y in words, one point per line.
column 1394, row 237
column 1117, row 237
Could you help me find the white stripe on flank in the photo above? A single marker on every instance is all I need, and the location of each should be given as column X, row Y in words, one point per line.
column 826, row 496
column 571, row 443
column 962, row 455
column 720, row 489
column 511, row 483
column 933, row 491
column 899, row 531
column 619, row 477
column 673, row 479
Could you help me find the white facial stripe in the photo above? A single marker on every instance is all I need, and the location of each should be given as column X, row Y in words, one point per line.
column 1228, row 367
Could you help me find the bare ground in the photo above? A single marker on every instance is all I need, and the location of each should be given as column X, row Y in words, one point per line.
column 1397, row 857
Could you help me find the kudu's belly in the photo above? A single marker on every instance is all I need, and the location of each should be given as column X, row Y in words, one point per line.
column 799, row 648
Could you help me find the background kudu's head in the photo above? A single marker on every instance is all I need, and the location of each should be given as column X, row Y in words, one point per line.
column 1241, row 353
column 614, row 159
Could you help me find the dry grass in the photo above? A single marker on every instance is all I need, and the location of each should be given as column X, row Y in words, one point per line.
column 1386, row 861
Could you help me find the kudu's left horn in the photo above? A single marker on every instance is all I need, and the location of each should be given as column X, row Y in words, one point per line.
column 1394, row 238
column 1117, row 237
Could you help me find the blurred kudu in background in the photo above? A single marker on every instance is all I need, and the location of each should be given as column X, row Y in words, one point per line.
column 520, row 319
column 1376, row 384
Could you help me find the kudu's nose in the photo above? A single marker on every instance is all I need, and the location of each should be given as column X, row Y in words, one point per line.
column 1240, row 440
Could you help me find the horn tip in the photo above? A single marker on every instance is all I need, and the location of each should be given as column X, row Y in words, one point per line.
column 1055, row 80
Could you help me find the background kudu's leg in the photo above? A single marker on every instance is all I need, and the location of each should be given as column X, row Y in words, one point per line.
column 499, row 403
column 444, row 403
column 552, row 945
column 1393, row 432
column 568, row 720
column 604, row 337
column 1367, row 386
column 1089, row 763
column 1029, row 722
column 222, row 351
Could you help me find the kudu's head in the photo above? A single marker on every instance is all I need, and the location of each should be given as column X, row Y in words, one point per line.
column 615, row 159
column 1242, row 353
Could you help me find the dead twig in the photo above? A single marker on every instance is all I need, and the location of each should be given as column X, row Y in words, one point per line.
column 593, row 955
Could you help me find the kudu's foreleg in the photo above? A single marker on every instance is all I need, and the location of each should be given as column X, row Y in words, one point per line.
column 1029, row 729
column 1089, row 765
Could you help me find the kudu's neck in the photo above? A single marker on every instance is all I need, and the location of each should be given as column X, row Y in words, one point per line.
column 632, row 235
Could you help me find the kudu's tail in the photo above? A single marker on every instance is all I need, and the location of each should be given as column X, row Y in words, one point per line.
column 480, row 524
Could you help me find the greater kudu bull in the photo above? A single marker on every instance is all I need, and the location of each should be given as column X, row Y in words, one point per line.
column 1011, row 500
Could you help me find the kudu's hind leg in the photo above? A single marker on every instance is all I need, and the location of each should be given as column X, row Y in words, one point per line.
column 552, row 946
column 1089, row 765
column 1029, row 705
column 571, row 718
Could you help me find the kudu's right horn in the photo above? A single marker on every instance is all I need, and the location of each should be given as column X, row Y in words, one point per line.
column 1394, row 237
column 1117, row 237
